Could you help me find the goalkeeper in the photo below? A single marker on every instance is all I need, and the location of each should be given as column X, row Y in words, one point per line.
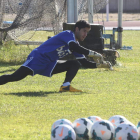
column 44, row 60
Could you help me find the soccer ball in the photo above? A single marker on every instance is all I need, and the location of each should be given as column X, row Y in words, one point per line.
column 117, row 120
column 63, row 132
column 82, row 128
column 94, row 118
column 102, row 130
column 61, row 121
column 126, row 131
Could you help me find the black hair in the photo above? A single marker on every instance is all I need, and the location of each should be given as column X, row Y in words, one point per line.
column 82, row 24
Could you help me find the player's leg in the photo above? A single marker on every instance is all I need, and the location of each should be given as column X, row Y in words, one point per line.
column 71, row 67
column 19, row 74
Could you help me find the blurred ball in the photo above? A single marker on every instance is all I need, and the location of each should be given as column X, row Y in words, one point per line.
column 82, row 128
column 61, row 121
column 63, row 132
column 102, row 130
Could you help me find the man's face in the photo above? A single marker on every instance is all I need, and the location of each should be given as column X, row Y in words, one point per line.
column 81, row 34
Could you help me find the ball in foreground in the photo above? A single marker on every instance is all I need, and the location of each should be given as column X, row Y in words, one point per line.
column 82, row 128
column 126, row 131
column 63, row 132
column 61, row 121
column 102, row 130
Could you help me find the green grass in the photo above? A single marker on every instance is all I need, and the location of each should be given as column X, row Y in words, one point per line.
column 29, row 107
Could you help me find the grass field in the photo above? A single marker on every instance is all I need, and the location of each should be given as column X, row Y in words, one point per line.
column 29, row 107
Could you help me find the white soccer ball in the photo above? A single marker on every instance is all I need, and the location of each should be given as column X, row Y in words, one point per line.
column 117, row 120
column 102, row 130
column 126, row 131
column 95, row 118
column 61, row 121
column 63, row 132
column 82, row 128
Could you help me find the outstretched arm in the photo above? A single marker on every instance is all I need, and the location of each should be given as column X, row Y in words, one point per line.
column 75, row 47
column 90, row 64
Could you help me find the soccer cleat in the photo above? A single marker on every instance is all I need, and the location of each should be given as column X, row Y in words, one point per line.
column 69, row 89
column 105, row 64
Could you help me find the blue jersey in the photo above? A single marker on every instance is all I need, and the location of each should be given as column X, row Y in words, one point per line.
column 43, row 59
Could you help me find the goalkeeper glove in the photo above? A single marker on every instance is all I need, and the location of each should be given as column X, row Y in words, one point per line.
column 95, row 54
column 105, row 64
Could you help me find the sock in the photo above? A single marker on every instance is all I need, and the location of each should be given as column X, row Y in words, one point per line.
column 66, row 84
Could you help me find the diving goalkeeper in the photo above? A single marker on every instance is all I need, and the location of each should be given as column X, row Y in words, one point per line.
column 45, row 59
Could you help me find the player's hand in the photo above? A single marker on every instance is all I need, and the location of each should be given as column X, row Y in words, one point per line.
column 96, row 55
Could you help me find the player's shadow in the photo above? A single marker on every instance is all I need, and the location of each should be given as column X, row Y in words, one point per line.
column 33, row 94
column 43, row 94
